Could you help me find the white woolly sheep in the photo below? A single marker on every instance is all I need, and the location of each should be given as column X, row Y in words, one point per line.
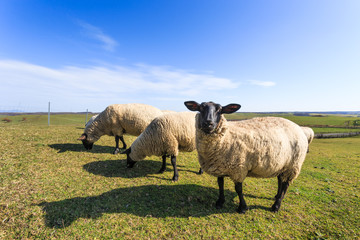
column 309, row 133
column 91, row 120
column 117, row 138
column 259, row 147
column 168, row 111
column 165, row 136
column 118, row 119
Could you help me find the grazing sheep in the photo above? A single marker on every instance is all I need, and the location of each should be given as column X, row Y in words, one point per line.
column 118, row 119
column 91, row 120
column 309, row 133
column 168, row 111
column 165, row 136
column 117, row 138
column 259, row 147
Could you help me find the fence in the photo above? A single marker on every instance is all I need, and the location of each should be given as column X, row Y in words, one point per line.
column 336, row 135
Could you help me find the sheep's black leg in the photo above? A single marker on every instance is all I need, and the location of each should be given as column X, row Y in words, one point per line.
column 176, row 174
column 163, row 167
column 279, row 187
column 117, row 149
column 242, row 205
column 122, row 140
column 221, row 200
column 200, row 171
column 283, row 188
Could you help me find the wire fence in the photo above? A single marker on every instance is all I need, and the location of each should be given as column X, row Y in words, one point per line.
column 336, row 135
column 44, row 108
column 16, row 109
column 48, row 115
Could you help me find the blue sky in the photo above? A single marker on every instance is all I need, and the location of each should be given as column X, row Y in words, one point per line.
column 299, row 55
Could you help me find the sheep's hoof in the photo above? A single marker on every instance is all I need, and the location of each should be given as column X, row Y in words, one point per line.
column 200, row 172
column 161, row 170
column 242, row 210
column 117, row 150
column 275, row 208
column 175, row 178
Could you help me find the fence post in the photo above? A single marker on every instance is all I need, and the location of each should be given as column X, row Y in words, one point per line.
column 49, row 115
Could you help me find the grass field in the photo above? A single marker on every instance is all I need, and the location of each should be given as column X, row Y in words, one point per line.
column 52, row 188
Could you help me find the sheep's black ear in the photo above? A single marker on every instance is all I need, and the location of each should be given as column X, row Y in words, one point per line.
column 192, row 105
column 230, row 108
column 82, row 137
column 127, row 151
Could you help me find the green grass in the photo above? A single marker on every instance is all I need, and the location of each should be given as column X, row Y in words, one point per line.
column 52, row 188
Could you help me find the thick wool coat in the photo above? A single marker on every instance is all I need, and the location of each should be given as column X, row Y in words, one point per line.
column 259, row 147
column 166, row 135
column 118, row 119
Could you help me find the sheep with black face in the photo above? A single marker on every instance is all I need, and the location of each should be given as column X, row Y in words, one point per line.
column 166, row 135
column 118, row 119
column 259, row 147
column 117, row 138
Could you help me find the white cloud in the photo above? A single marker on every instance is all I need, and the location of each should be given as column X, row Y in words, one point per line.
column 96, row 33
column 262, row 83
column 102, row 83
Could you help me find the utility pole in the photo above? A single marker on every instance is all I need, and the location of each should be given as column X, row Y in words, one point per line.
column 49, row 115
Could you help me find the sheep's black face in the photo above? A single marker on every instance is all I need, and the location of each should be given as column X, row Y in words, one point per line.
column 87, row 144
column 129, row 162
column 210, row 114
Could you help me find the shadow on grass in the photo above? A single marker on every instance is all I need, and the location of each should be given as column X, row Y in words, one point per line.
column 254, row 196
column 117, row 168
column 143, row 201
column 64, row 147
column 252, row 207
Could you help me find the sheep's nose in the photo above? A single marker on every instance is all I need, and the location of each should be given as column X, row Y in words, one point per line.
column 209, row 123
